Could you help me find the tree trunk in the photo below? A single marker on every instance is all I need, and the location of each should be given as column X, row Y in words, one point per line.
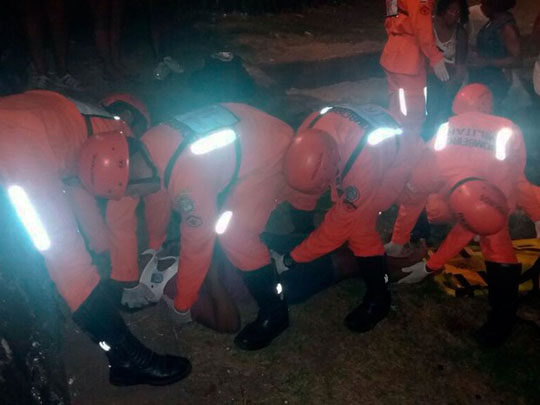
column 31, row 368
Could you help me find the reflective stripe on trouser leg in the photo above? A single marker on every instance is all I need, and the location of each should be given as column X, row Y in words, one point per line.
column 402, row 102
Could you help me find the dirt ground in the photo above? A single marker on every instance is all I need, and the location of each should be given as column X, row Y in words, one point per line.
column 423, row 353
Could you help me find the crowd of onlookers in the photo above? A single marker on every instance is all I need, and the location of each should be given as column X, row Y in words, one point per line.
column 481, row 44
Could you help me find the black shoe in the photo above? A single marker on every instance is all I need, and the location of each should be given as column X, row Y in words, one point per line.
column 130, row 362
column 503, row 289
column 260, row 333
column 273, row 315
column 377, row 300
column 368, row 314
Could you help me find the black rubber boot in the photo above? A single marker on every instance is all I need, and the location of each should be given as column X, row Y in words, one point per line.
column 377, row 300
column 273, row 317
column 503, row 288
column 130, row 362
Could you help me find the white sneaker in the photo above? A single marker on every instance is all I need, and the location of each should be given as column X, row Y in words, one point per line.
column 69, row 82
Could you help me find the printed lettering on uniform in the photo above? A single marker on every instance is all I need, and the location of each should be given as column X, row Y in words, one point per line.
column 367, row 115
column 391, row 8
column 472, row 138
column 208, row 119
column 193, row 221
column 185, row 204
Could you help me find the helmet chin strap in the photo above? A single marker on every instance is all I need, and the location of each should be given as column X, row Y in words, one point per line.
column 136, row 146
column 145, row 180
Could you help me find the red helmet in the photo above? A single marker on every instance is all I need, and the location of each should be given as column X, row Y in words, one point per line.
column 479, row 206
column 128, row 99
column 474, row 97
column 311, row 161
column 104, row 165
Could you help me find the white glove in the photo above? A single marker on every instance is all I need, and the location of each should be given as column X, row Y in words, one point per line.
column 441, row 72
column 537, row 227
column 417, row 272
column 178, row 317
column 396, row 250
column 139, row 296
column 279, row 260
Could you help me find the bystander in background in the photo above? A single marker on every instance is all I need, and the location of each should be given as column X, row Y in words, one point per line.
column 36, row 15
column 498, row 51
column 451, row 39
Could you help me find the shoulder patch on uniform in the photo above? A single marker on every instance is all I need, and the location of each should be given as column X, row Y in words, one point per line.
column 185, row 203
column 425, row 10
column 193, row 221
column 351, row 194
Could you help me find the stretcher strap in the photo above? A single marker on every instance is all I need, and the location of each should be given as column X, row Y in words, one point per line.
column 467, row 290
column 532, row 274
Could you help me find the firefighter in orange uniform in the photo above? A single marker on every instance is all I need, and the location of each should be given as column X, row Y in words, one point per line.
column 220, row 167
column 41, row 134
column 410, row 44
column 351, row 149
column 113, row 235
column 475, row 163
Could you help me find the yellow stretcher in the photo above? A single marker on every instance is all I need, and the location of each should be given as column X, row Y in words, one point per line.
column 465, row 275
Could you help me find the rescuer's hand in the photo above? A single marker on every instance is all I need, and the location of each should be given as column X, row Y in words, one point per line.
column 139, row 296
column 180, row 318
column 537, row 228
column 283, row 262
column 416, row 273
column 441, row 72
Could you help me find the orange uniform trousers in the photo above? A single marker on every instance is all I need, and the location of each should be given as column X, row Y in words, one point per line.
column 409, row 46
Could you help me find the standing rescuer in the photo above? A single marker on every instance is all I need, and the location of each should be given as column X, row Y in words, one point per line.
column 475, row 163
column 220, row 167
column 351, row 149
column 41, row 134
column 410, row 43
